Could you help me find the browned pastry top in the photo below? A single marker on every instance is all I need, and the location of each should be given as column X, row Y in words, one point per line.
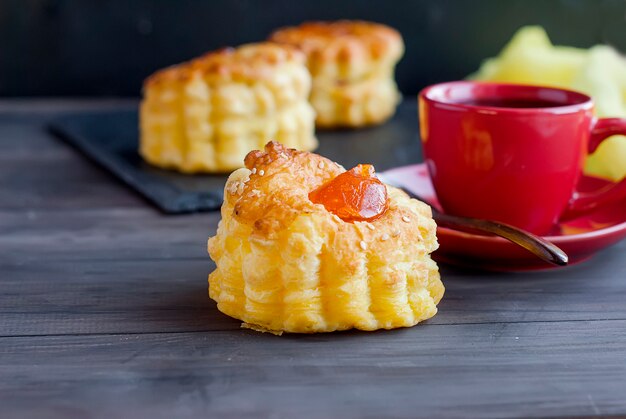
column 248, row 62
column 343, row 40
column 273, row 190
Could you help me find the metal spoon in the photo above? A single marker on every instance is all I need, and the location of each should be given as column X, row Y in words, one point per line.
column 541, row 248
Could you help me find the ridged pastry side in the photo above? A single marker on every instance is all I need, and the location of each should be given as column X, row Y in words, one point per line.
column 355, row 105
column 352, row 64
column 205, row 115
column 286, row 264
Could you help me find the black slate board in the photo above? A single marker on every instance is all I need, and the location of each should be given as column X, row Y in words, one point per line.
column 111, row 139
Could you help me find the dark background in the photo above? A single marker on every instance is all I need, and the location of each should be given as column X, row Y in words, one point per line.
column 106, row 48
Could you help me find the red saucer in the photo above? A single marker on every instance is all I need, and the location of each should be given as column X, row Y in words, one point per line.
column 580, row 238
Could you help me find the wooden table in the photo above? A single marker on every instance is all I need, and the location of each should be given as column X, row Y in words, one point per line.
column 104, row 313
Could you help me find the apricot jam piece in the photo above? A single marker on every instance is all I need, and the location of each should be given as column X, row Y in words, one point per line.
column 355, row 195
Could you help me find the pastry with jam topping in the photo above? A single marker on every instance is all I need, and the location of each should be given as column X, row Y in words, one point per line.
column 305, row 246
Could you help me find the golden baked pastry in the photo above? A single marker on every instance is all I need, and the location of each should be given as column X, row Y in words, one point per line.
column 206, row 114
column 285, row 263
column 352, row 64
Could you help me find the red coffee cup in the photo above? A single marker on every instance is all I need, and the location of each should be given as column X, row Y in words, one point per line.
column 512, row 153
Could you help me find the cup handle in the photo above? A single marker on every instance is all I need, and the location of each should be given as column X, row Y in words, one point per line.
column 583, row 202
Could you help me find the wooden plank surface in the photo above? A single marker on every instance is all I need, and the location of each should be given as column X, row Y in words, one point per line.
column 494, row 370
column 104, row 313
column 166, row 291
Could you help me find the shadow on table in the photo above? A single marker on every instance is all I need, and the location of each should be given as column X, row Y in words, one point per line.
column 175, row 299
column 474, row 296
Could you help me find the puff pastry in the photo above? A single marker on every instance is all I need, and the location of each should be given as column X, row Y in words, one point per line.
column 206, row 114
column 352, row 64
column 287, row 264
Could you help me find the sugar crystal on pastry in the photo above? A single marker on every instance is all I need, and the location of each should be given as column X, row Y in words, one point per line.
column 286, row 263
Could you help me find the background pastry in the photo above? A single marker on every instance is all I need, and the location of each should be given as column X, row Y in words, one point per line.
column 206, row 114
column 286, row 263
column 352, row 64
